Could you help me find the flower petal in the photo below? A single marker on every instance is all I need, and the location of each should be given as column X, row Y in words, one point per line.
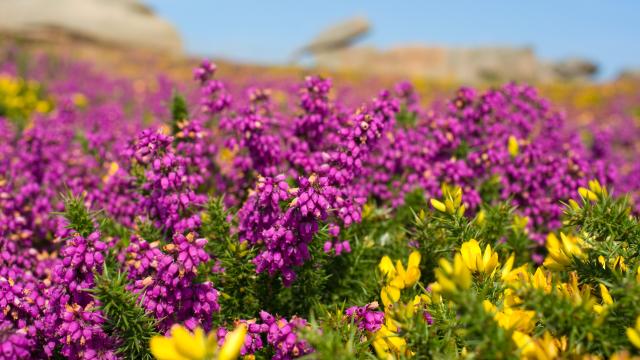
column 162, row 348
column 189, row 345
column 233, row 343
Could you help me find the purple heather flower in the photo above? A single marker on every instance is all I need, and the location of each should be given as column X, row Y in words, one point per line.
column 365, row 317
column 281, row 335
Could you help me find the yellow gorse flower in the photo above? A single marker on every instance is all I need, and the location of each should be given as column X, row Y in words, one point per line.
column 520, row 222
column 185, row 345
column 606, row 300
column 510, row 318
column 616, row 263
column 512, row 146
column 388, row 344
column 452, row 196
column 512, row 276
column 541, row 281
column 19, row 99
column 475, row 260
column 619, row 264
column 481, row 217
column 633, row 334
column 79, row 100
column 397, row 277
column 544, row 348
column 113, row 169
column 594, row 192
column 561, row 252
column 451, row 278
column 438, row 205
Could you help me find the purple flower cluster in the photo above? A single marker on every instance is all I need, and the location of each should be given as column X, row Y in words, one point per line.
column 81, row 333
column 23, row 297
column 468, row 146
column 250, row 130
column 215, row 97
column 46, row 270
column 80, row 259
column 72, row 317
column 327, row 195
column 365, row 317
column 14, row 344
column 166, row 280
column 194, row 145
column 170, row 197
column 311, row 125
column 282, row 336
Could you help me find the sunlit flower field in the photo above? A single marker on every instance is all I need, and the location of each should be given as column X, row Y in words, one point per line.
column 301, row 217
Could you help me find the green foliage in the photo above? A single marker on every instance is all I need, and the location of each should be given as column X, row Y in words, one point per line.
column 126, row 320
column 481, row 333
column 496, row 221
column 148, row 231
column 381, row 232
column 606, row 219
column 239, row 285
column 405, row 117
column 490, row 190
column 179, row 111
column 335, row 337
column 350, row 275
column 559, row 315
column 216, row 223
column 439, row 234
column 462, row 150
column 111, row 228
column 79, row 217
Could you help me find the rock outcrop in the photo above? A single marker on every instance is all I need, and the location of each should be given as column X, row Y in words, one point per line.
column 333, row 49
column 467, row 65
column 122, row 23
column 629, row 74
column 337, row 36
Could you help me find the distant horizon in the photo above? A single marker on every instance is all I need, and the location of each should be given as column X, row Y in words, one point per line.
column 268, row 33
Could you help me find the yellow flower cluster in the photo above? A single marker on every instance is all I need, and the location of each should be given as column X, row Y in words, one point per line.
column 594, row 192
column 545, row 347
column 472, row 263
column 475, row 260
column 452, row 196
column 523, row 321
column 452, row 278
column 397, row 277
column 20, row 98
column 387, row 341
column 569, row 248
column 561, row 252
column 184, row 345
column 464, row 280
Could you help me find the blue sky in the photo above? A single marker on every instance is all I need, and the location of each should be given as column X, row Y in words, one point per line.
column 268, row 31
